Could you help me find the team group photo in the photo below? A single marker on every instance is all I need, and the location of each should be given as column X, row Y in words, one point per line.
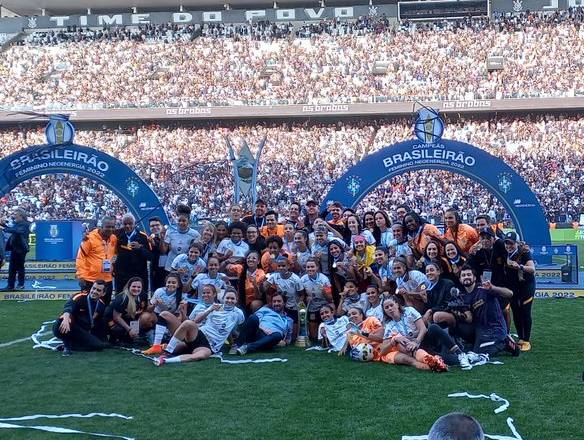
column 307, row 220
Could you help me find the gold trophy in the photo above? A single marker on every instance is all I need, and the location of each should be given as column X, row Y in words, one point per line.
column 302, row 338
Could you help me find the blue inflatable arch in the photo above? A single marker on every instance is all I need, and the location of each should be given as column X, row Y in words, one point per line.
column 457, row 157
column 87, row 162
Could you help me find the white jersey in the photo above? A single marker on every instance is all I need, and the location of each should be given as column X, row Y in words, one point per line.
column 168, row 301
column 182, row 262
column 179, row 243
column 199, row 308
column 239, row 250
column 219, row 325
column 203, row 279
column 406, row 326
column 336, row 333
column 315, row 290
column 289, row 286
column 376, row 311
column 361, row 302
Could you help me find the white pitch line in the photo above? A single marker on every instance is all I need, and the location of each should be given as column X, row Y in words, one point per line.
column 18, row 341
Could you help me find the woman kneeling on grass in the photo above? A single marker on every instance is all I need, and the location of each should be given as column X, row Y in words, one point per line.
column 405, row 332
column 199, row 343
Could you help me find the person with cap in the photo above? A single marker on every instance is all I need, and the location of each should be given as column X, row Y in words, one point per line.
column 259, row 216
column 519, row 277
column 311, row 214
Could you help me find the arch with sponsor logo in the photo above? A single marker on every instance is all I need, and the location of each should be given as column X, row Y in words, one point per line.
column 87, row 162
column 457, row 157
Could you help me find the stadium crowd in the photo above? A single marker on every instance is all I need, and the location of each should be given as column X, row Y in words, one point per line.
column 264, row 63
column 187, row 164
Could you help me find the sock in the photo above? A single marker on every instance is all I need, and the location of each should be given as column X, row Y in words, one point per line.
column 173, row 360
column 172, row 345
column 159, row 334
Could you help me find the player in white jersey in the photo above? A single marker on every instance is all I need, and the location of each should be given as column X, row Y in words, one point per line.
column 200, row 342
column 212, row 276
column 189, row 265
column 332, row 331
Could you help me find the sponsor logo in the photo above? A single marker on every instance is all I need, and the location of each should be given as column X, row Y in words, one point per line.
column 449, row 105
column 325, row 108
column 188, row 111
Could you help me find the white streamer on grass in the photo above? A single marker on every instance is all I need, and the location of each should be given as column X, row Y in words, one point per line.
column 247, row 361
column 51, row 344
column 58, row 429
column 493, row 397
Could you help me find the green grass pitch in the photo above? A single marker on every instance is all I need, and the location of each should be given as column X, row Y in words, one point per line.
column 312, row 396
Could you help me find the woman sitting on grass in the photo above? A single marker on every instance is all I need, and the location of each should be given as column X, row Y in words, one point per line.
column 195, row 342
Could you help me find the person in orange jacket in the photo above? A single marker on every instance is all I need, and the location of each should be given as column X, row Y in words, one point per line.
column 96, row 257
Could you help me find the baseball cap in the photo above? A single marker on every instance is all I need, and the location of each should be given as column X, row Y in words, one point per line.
column 311, row 202
column 486, row 231
column 512, row 237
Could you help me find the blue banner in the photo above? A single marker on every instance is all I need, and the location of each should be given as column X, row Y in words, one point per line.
column 87, row 162
column 57, row 240
column 429, row 151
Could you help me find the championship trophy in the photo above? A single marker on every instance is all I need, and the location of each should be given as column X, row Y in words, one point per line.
column 302, row 338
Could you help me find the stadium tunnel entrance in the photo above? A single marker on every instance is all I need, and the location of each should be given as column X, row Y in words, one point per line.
column 87, row 162
column 489, row 171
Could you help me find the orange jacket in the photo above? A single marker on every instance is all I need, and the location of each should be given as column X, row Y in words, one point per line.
column 93, row 250
column 466, row 236
column 279, row 231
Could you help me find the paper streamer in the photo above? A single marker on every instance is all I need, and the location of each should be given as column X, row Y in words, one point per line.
column 51, row 344
column 491, row 396
column 319, row 348
column 58, row 429
column 482, row 362
column 248, row 361
column 38, row 286
column 500, row 409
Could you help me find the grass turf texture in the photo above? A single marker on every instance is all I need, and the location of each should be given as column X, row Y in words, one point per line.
column 314, row 395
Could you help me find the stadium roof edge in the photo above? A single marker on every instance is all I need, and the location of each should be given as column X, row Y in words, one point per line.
column 57, row 7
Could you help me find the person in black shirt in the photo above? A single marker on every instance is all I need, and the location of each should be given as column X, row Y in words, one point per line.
column 259, row 218
column 520, row 278
column 488, row 260
column 124, row 310
column 158, row 258
column 81, row 326
column 133, row 252
column 17, row 244
column 254, row 240
column 484, row 311
column 437, row 292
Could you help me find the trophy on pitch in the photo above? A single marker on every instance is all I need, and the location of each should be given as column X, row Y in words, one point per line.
column 302, row 338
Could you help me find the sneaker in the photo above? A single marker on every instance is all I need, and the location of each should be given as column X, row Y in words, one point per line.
column 436, row 363
column 233, row 349
column 160, row 361
column 463, row 361
column 526, row 346
column 19, row 287
column 155, row 349
column 475, row 358
column 242, row 351
column 66, row 351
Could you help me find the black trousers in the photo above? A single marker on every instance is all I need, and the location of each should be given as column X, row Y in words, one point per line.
column 521, row 308
column 438, row 341
column 157, row 277
column 107, row 298
column 15, row 267
column 79, row 339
